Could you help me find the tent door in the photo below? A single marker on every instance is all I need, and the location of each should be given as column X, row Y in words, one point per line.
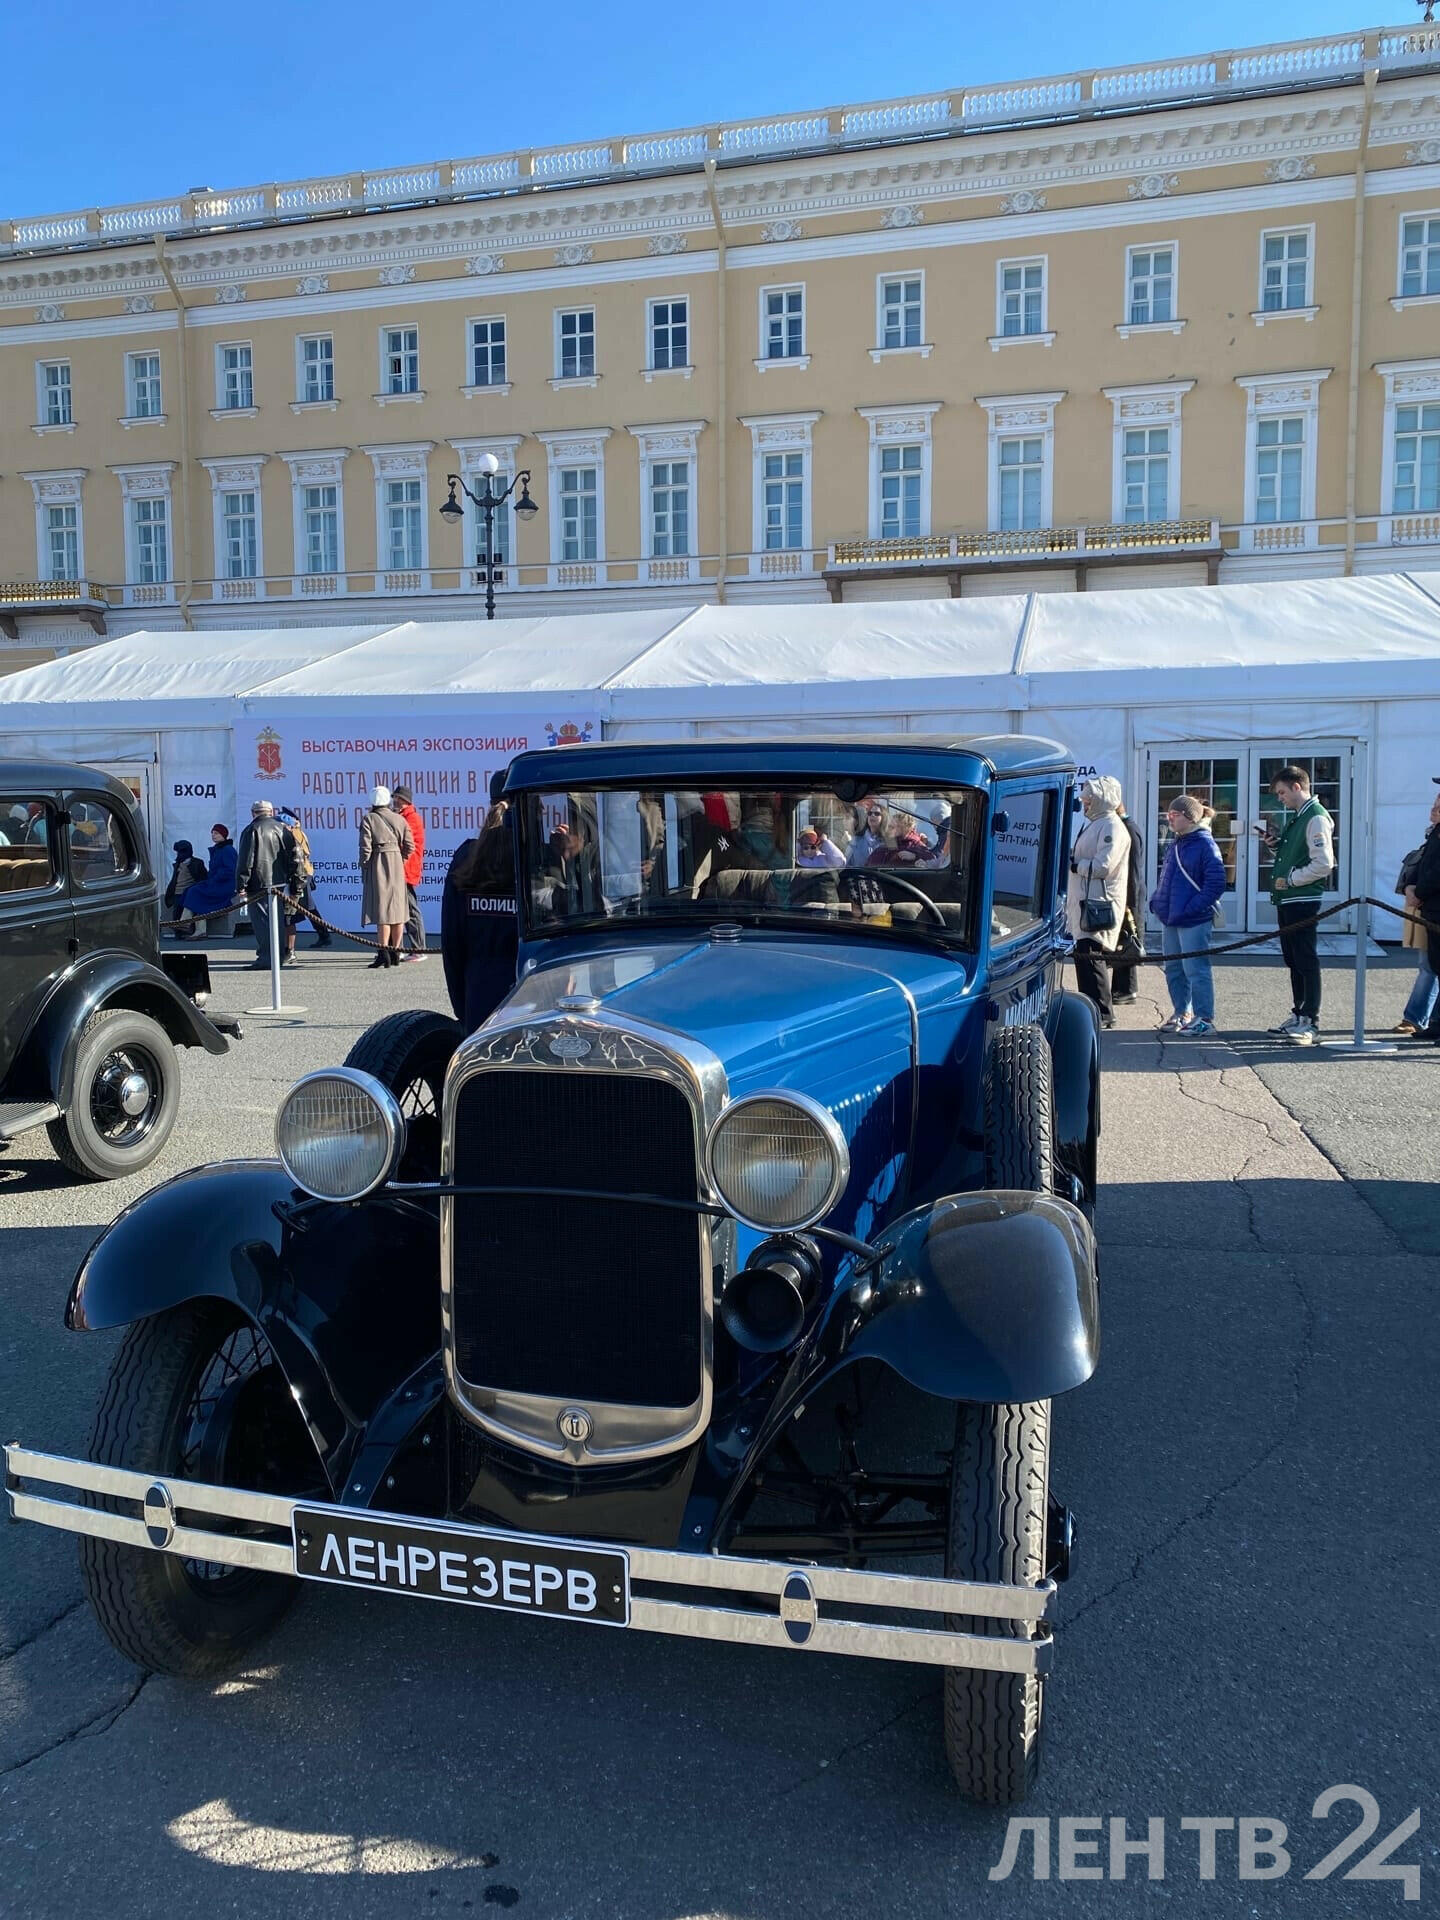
column 1235, row 780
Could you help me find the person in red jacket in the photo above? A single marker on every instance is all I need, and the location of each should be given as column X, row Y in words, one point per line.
column 404, row 803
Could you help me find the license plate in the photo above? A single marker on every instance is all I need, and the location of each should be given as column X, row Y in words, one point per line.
column 513, row 1572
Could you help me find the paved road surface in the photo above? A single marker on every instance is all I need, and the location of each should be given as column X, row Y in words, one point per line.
column 1251, row 1619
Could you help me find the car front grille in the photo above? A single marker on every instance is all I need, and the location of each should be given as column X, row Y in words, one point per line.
column 591, row 1299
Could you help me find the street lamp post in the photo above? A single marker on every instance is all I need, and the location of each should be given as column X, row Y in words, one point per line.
column 489, row 501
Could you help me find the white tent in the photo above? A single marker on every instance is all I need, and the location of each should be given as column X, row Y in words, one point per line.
column 1163, row 687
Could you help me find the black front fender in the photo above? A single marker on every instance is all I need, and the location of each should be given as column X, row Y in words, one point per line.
column 108, row 980
column 1072, row 1027
column 348, row 1297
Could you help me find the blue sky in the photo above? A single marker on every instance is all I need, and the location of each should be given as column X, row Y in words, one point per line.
column 120, row 103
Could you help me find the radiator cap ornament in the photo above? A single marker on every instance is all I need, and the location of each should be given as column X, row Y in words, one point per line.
column 575, row 1425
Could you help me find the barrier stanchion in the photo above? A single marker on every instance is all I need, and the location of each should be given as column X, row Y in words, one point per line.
column 1358, row 1043
column 276, row 1006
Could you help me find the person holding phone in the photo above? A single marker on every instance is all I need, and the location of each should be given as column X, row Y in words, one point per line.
column 1303, row 861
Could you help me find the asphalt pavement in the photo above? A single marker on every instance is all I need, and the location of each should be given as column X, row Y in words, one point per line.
column 1250, row 1621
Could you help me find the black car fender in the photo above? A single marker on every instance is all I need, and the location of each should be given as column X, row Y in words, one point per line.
column 348, row 1297
column 1073, row 1030
column 102, row 980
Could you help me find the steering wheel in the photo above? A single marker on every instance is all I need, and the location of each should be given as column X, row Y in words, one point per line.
column 894, row 879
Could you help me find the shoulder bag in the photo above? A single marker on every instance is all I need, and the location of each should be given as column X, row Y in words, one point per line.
column 1217, row 912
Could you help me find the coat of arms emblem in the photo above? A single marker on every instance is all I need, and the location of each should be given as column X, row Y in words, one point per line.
column 267, row 756
column 568, row 734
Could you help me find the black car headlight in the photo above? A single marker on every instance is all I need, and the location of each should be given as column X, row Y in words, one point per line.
column 778, row 1160
column 339, row 1134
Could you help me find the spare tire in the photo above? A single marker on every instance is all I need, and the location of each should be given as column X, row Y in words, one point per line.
column 409, row 1053
column 1019, row 1112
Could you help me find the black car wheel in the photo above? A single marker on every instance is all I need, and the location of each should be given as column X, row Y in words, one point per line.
column 125, row 1098
column 409, row 1053
column 1019, row 1112
column 194, row 1394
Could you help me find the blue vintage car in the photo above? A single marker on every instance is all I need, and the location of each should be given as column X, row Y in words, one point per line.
column 586, row 1313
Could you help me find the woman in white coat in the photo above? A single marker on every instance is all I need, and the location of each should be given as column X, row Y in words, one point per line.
column 1099, row 866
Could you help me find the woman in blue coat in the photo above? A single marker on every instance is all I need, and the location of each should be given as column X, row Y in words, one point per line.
column 479, row 929
column 1191, row 882
column 215, row 894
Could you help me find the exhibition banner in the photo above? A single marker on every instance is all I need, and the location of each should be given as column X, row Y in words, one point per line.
column 326, row 768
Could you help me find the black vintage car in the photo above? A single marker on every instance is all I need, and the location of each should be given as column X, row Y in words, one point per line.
column 90, row 1013
column 596, row 1313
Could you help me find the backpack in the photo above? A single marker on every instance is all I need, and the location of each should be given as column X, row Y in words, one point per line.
column 304, row 859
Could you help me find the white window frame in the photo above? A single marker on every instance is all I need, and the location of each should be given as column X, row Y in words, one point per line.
column 576, row 449
column 922, row 348
column 1399, row 300
column 1013, row 416
column 1175, row 324
column 1281, row 394
column 505, row 448
column 494, row 389
column 1408, row 383
column 57, row 489
column 799, row 361
column 43, row 390
column 1308, row 310
column 1155, row 405
column 1044, row 336
column 781, row 433
column 671, row 443
column 561, row 378
column 220, row 411
column 900, row 426
column 151, row 481
column 385, row 398
column 686, row 368
column 303, row 401
column 235, row 476
column 133, row 416
column 400, row 463
column 323, row 469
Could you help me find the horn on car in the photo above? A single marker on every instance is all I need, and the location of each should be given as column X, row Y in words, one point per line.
column 763, row 1308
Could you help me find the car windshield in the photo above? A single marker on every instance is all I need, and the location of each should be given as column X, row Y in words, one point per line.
column 848, row 856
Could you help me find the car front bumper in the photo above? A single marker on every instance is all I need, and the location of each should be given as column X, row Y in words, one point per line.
column 703, row 1596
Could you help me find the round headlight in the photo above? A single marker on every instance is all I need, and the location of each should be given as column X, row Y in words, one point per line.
column 339, row 1134
column 778, row 1161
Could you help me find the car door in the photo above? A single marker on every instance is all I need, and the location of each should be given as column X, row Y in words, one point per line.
column 115, row 898
column 37, row 922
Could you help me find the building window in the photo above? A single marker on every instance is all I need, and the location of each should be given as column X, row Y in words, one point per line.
column 1151, row 292
column 1284, row 271
column 62, row 543
column 317, row 368
column 152, row 544
column 320, row 525
column 487, row 353
column 237, row 389
column 1280, row 467
column 783, row 501
column 575, row 357
column 1022, row 298
column 782, row 323
column 403, row 514
column 400, row 368
column 670, row 509
column 669, row 334
column 143, row 401
column 901, row 478
column 1420, row 256
column 579, row 513
column 1146, row 477
column 1021, row 478
column 240, row 550
column 1417, row 459
column 901, row 317
column 55, row 394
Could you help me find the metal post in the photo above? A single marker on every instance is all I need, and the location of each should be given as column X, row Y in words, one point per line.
column 276, row 1005
column 487, row 507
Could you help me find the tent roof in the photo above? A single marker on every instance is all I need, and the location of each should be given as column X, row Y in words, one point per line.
column 1351, row 637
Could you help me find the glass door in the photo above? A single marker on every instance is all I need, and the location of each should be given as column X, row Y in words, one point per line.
column 1329, row 767
column 1216, row 776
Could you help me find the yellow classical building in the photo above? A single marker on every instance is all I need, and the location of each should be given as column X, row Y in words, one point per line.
column 1161, row 324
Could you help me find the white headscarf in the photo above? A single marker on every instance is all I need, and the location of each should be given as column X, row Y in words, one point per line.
column 1106, row 790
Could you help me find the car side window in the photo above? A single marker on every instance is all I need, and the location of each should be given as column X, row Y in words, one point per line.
column 1021, row 855
column 101, row 847
column 27, row 839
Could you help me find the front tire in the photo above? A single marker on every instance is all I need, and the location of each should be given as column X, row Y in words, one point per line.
column 194, row 1393
column 999, row 1483
column 125, row 1100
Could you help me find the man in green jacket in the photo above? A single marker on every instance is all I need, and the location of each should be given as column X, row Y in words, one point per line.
column 1304, row 859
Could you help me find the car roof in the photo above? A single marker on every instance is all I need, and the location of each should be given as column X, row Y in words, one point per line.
column 956, row 759
column 18, row 776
